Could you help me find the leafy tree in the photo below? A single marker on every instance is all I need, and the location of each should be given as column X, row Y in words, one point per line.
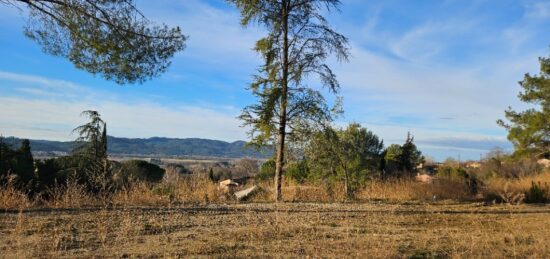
column 529, row 130
column 402, row 159
column 351, row 154
column 297, row 170
column 298, row 43
column 392, row 156
column 108, row 37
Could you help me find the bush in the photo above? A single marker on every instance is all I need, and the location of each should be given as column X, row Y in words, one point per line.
column 267, row 171
column 537, row 193
column 297, row 171
column 139, row 170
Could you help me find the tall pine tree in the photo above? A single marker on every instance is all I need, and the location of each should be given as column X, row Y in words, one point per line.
column 298, row 43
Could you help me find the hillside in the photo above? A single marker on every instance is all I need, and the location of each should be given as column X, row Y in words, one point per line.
column 155, row 146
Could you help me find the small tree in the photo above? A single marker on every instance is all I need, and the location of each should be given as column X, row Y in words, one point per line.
column 94, row 153
column 91, row 135
column 529, row 130
column 410, row 155
column 401, row 159
column 109, row 37
column 350, row 154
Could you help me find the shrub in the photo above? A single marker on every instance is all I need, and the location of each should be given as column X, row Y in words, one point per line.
column 139, row 170
column 267, row 171
column 538, row 193
column 297, row 171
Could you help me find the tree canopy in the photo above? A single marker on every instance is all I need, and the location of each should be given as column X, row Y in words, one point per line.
column 350, row 154
column 108, row 37
column 529, row 130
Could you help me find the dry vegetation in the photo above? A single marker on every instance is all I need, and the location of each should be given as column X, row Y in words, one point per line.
column 288, row 230
column 198, row 189
column 400, row 218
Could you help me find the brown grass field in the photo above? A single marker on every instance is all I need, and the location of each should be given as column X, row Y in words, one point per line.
column 374, row 230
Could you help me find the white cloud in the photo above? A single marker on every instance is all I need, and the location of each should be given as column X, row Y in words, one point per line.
column 44, row 119
column 50, row 109
column 393, row 97
column 41, row 81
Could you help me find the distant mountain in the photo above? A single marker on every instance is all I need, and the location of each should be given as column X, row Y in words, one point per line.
column 155, row 146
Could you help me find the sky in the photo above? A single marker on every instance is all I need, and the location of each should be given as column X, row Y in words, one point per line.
column 443, row 70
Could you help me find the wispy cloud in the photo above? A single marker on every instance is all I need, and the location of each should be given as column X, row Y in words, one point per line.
column 41, row 81
column 50, row 109
column 537, row 9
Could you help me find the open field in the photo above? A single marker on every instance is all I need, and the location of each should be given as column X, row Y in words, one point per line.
column 286, row 230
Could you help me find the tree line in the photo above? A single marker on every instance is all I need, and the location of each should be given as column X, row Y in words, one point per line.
column 87, row 165
column 351, row 155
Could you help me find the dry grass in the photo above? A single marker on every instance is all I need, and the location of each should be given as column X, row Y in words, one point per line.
column 188, row 219
column 200, row 190
column 513, row 190
column 408, row 189
column 11, row 198
column 284, row 230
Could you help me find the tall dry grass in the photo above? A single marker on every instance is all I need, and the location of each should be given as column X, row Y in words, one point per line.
column 513, row 190
column 409, row 189
column 12, row 198
column 198, row 189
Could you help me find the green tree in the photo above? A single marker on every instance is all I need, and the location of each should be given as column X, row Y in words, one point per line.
column 91, row 135
column 267, row 170
column 17, row 162
column 298, row 43
column 392, row 156
column 108, row 37
column 401, row 159
column 529, row 130
column 93, row 152
column 351, row 154
column 25, row 162
column 410, row 155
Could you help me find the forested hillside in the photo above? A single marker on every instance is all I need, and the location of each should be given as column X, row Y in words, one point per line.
column 155, row 146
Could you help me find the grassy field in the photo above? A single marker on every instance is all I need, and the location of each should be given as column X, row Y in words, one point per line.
column 400, row 230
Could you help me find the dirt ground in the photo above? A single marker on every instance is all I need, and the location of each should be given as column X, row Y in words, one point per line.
column 284, row 230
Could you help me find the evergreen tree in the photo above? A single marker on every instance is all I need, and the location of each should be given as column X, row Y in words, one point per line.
column 410, row 156
column 108, row 37
column 91, row 134
column 298, row 43
column 25, row 162
column 529, row 130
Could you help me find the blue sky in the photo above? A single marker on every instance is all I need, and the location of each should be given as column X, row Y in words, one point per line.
column 445, row 70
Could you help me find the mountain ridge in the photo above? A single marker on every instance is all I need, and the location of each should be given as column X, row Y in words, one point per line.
column 153, row 146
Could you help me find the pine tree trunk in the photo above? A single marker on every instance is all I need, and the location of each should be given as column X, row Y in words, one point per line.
column 281, row 135
column 346, row 184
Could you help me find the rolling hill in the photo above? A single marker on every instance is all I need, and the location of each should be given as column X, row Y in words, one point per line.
column 155, row 146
